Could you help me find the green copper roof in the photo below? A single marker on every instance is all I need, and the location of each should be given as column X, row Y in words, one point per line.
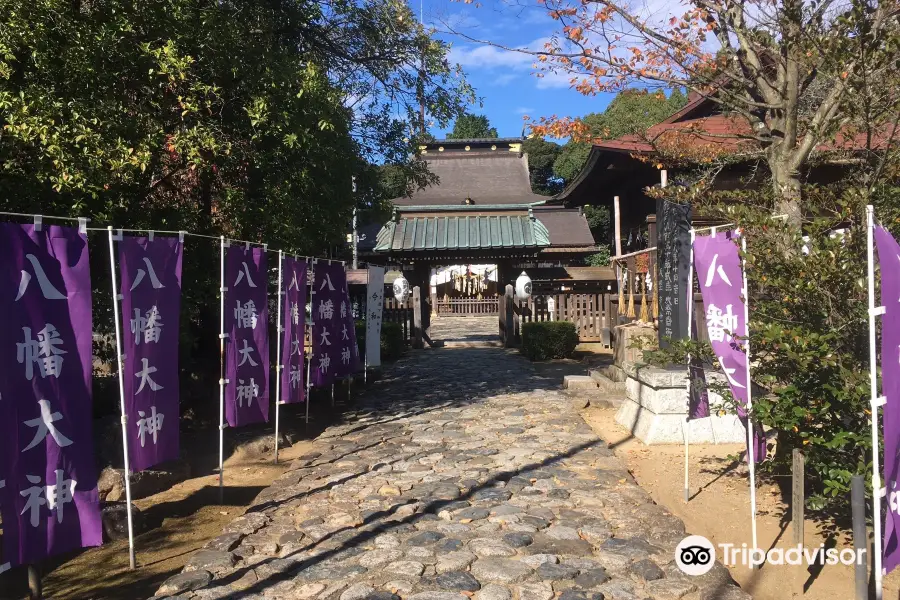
column 468, row 232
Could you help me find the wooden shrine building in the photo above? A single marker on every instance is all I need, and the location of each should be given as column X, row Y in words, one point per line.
column 479, row 226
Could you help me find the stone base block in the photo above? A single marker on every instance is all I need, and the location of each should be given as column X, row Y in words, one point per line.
column 656, row 406
column 652, row 428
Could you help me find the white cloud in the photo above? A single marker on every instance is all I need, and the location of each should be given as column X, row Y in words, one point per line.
column 489, row 57
column 524, row 111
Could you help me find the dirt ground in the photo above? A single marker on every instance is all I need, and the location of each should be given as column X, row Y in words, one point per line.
column 183, row 518
column 719, row 510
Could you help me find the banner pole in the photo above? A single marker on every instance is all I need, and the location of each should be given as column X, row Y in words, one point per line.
column 687, row 418
column 751, row 441
column 115, row 298
column 278, row 366
column 312, row 320
column 34, row 583
column 222, row 370
column 875, row 403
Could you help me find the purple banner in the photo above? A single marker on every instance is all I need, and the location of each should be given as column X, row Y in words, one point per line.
column 721, row 281
column 293, row 316
column 247, row 346
column 150, row 272
column 889, row 261
column 48, row 478
column 335, row 353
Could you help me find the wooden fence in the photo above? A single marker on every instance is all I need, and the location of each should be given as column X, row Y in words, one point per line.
column 589, row 313
column 465, row 307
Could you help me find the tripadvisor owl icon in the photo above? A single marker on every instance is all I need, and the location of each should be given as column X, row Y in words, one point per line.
column 695, row 555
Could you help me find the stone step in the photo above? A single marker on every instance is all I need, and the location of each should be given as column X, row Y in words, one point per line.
column 605, row 383
column 578, row 382
column 473, row 344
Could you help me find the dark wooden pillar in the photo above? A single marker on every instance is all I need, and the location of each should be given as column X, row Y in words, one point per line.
column 421, row 276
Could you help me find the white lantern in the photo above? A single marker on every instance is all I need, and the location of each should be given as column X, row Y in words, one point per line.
column 401, row 288
column 523, row 286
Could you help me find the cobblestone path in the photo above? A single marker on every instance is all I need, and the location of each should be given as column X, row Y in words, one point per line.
column 460, row 474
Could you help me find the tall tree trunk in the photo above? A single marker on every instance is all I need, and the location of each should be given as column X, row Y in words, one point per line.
column 786, row 183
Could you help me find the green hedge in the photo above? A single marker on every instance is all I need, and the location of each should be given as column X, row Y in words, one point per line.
column 392, row 342
column 550, row 339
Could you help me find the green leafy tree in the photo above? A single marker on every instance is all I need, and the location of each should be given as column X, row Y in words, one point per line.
column 808, row 327
column 541, row 156
column 630, row 112
column 472, row 127
column 242, row 119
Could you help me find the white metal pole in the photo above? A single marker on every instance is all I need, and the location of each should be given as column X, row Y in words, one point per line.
column 312, row 320
column 876, row 402
column 278, row 366
column 750, row 445
column 687, row 423
column 222, row 291
column 115, row 298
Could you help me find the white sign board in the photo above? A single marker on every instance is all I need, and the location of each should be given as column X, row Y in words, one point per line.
column 374, row 308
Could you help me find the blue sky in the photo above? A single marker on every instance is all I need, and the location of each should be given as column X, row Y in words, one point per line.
column 505, row 80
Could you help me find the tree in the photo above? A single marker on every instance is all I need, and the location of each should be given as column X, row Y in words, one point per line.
column 244, row 119
column 793, row 71
column 472, row 127
column 541, row 156
column 632, row 111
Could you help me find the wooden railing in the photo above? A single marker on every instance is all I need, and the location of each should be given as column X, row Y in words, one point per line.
column 464, row 307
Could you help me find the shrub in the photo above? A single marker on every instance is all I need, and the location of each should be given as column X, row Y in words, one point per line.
column 392, row 342
column 550, row 339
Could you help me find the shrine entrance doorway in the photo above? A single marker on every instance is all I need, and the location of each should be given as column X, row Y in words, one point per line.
column 465, row 290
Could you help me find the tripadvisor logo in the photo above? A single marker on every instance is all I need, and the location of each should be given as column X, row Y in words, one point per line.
column 696, row 555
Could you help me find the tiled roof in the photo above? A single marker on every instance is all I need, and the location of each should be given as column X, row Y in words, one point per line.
column 492, row 177
column 463, row 232
column 567, row 226
column 695, row 126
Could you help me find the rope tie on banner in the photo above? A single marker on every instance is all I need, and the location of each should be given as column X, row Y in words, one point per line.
column 38, row 223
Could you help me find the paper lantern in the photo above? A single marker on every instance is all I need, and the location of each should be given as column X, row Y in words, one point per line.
column 523, row 286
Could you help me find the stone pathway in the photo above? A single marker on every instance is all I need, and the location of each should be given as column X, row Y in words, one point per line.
column 461, row 474
column 461, row 332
